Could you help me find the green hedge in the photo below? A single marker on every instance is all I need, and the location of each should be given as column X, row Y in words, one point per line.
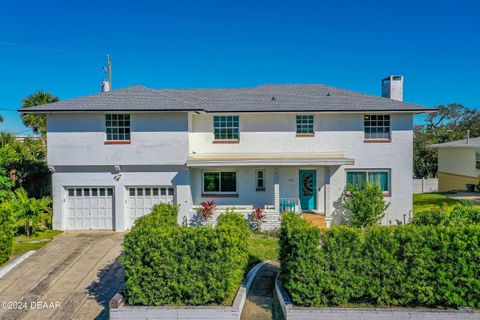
column 431, row 266
column 6, row 232
column 170, row 265
column 463, row 214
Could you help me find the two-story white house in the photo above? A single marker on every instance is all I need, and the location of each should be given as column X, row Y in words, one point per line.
column 278, row 147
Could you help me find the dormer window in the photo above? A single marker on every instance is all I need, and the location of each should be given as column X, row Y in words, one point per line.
column 226, row 128
column 117, row 128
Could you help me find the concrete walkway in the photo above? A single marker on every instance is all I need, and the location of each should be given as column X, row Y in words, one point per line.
column 73, row 277
column 261, row 303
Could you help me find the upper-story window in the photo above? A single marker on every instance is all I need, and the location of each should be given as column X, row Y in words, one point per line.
column 304, row 125
column 226, row 128
column 477, row 160
column 117, row 127
column 377, row 127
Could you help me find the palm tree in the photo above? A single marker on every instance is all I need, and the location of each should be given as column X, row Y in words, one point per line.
column 37, row 121
column 30, row 213
column 7, row 138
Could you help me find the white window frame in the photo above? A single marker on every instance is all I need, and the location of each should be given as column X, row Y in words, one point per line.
column 118, row 127
column 226, row 127
column 220, row 182
column 383, row 126
column 477, row 160
column 388, row 171
column 257, row 178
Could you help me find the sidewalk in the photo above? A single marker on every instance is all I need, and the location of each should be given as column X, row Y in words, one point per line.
column 261, row 303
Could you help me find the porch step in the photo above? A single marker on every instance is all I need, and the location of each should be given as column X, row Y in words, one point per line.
column 316, row 220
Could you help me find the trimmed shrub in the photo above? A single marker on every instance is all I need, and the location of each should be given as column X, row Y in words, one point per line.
column 162, row 215
column 170, row 265
column 6, row 231
column 431, row 217
column 434, row 266
column 463, row 214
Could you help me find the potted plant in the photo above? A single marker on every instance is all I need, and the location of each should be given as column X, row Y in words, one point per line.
column 207, row 210
column 470, row 187
column 257, row 217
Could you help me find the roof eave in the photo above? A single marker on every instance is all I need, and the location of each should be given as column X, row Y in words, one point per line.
column 416, row 111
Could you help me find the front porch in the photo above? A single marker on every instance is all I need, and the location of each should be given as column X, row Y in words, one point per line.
column 297, row 183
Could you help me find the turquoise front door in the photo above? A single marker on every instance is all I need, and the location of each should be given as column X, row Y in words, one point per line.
column 308, row 189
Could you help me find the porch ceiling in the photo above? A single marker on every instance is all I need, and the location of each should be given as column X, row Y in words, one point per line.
column 268, row 159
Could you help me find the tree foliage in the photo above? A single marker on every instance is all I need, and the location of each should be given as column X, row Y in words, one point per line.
column 24, row 164
column 37, row 122
column 449, row 123
column 30, row 213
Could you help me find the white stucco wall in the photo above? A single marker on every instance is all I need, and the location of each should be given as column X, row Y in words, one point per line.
column 161, row 143
column 458, row 161
column 246, row 186
column 275, row 133
column 156, row 138
column 129, row 177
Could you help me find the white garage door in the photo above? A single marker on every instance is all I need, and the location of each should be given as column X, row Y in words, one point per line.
column 89, row 208
column 142, row 199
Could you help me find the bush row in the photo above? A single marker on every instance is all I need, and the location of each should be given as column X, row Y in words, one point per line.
column 170, row 265
column 406, row 265
column 6, row 233
column 463, row 214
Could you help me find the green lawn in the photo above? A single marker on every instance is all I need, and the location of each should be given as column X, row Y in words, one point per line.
column 262, row 248
column 22, row 244
column 425, row 201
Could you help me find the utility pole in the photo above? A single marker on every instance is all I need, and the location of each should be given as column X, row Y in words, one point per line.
column 109, row 68
column 107, row 84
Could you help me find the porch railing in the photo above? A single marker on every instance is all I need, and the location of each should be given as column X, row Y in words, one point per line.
column 290, row 205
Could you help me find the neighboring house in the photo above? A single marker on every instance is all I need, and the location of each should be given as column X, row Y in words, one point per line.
column 23, row 138
column 278, row 147
column 458, row 164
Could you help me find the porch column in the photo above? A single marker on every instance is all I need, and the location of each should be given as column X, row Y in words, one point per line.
column 276, row 188
column 327, row 204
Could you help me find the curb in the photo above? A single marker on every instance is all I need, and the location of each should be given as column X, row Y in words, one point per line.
column 12, row 264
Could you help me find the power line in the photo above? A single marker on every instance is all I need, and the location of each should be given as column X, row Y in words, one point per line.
column 22, row 45
column 6, row 109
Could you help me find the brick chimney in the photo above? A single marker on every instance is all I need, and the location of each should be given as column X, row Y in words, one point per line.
column 392, row 88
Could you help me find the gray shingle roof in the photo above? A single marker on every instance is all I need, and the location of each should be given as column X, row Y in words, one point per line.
column 472, row 143
column 265, row 98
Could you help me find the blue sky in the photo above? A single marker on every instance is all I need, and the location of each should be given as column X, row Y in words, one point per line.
column 168, row 44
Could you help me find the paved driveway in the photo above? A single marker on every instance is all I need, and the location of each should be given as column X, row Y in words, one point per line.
column 462, row 195
column 73, row 277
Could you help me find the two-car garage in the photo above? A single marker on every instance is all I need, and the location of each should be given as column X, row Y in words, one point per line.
column 92, row 208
